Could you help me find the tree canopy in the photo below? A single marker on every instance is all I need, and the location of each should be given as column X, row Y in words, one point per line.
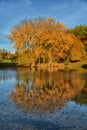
column 45, row 41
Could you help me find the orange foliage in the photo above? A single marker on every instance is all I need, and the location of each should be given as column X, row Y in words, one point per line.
column 48, row 40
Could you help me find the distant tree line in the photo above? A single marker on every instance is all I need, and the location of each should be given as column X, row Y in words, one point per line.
column 6, row 56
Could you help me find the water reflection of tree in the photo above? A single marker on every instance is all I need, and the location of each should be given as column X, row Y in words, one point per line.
column 48, row 91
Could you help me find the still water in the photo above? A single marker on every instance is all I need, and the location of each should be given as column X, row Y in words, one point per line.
column 43, row 100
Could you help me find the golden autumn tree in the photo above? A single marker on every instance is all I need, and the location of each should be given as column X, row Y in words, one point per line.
column 73, row 47
column 21, row 36
column 45, row 41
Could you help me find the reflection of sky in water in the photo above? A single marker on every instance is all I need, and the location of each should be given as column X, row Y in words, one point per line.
column 7, row 74
column 7, row 82
column 77, row 107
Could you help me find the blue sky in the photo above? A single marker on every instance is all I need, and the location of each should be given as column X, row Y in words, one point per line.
column 12, row 12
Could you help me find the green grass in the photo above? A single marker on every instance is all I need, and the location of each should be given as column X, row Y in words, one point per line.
column 7, row 61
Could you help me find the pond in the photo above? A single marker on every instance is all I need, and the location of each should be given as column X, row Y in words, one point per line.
column 43, row 100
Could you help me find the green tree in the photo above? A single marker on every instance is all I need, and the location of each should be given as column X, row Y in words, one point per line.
column 81, row 32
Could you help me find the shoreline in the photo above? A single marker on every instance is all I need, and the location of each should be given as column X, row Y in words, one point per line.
column 59, row 66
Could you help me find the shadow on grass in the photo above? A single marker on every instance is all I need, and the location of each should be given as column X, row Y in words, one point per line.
column 84, row 66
